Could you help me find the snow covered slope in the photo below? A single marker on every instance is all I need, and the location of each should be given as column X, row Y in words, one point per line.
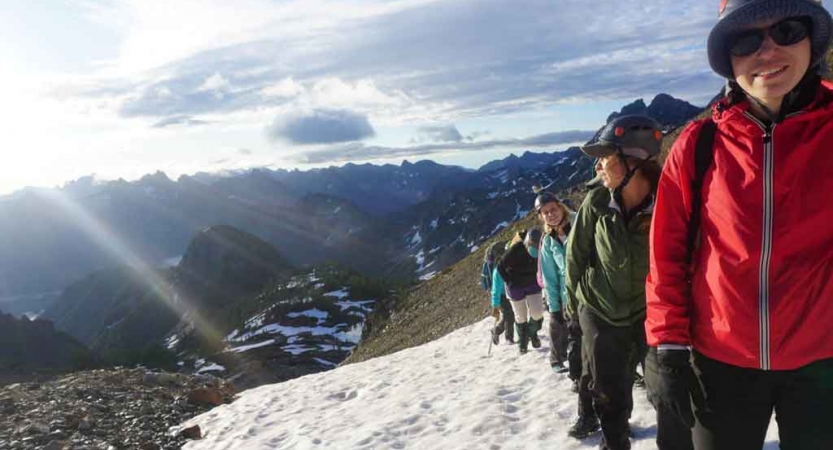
column 447, row 394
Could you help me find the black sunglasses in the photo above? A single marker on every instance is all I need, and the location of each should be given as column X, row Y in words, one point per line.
column 786, row 32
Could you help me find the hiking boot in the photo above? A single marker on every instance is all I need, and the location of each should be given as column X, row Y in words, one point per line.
column 535, row 341
column 623, row 443
column 523, row 337
column 534, row 326
column 558, row 367
column 584, row 427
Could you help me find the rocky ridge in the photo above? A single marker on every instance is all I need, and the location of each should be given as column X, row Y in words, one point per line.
column 107, row 409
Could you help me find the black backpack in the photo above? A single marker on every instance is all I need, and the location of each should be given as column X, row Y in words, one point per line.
column 703, row 157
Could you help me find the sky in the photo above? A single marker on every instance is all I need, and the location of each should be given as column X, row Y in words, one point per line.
column 121, row 88
column 455, row 393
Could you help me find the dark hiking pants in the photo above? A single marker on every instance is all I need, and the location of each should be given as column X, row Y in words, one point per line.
column 558, row 338
column 610, row 351
column 574, row 348
column 672, row 433
column 507, row 320
column 739, row 403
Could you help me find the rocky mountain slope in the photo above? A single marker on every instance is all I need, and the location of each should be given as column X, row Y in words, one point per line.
column 35, row 349
column 306, row 323
column 106, row 409
column 233, row 306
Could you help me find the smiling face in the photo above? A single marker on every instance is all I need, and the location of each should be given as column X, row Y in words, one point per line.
column 773, row 71
column 552, row 214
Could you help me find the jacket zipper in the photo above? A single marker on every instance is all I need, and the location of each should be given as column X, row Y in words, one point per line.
column 766, row 245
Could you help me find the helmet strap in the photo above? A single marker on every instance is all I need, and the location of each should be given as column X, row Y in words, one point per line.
column 617, row 192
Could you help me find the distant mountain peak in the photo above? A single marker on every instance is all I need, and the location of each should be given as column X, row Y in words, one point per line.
column 666, row 109
column 156, row 177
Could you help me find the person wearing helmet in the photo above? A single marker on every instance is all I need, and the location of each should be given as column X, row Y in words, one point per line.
column 607, row 261
column 517, row 269
column 740, row 311
column 491, row 282
column 556, row 220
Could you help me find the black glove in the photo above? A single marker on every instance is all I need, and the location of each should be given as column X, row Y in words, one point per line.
column 675, row 382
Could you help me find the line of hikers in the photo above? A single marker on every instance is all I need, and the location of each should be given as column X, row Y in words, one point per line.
column 715, row 270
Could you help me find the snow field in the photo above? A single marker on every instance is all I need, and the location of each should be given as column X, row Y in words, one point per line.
column 447, row 394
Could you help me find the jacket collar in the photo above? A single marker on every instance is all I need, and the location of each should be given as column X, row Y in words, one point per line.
column 814, row 102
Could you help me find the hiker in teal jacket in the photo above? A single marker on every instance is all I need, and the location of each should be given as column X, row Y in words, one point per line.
column 555, row 217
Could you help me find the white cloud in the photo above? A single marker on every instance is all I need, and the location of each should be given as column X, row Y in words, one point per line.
column 285, row 88
column 235, row 66
column 215, row 82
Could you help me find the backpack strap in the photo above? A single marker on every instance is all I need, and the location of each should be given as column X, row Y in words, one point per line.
column 703, row 157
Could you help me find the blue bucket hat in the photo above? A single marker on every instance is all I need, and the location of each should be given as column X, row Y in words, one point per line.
column 737, row 15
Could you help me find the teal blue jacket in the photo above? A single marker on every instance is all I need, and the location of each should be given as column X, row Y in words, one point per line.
column 553, row 266
column 497, row 288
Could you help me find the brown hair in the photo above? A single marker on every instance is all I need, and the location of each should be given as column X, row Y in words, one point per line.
column 651, row 170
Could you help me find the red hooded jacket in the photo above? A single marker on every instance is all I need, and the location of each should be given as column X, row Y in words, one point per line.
column 761, row 286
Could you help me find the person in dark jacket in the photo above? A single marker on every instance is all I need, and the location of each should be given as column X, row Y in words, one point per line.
column 740, row 317
column 501, row 308
column 518, row 269
column 607, row 262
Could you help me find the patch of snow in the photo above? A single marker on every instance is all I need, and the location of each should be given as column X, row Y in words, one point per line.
column 337, row 210
column 434, row 224
column 173, row 261
column 116, row 323
column 340, row 294
column 474, row 249
column 519, row 212
column 415, row 399
column 244, row 348
column 492, row 195
column 297, row 349
column 31, row 315
column 276, row 328
column 420, row 259
column 171, row 342
column 211, row 368
column 232, row 335
column 314, row 313
column 417, row 239
column 256, row 321
column 502, row 175
column 354, row 334
column 319, row 285
column 427, row 276
column 324, row 362
column 347, row 304
column 199, row 363
column 434, row 250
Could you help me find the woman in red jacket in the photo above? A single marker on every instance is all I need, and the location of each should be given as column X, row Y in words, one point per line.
column 744, row 328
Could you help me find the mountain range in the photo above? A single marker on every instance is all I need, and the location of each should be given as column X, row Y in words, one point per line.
column 224, row 272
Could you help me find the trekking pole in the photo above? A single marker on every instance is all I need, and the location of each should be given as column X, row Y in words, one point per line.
column 491, row 340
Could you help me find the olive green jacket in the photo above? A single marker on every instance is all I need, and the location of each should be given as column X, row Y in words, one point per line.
column 607, row 260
